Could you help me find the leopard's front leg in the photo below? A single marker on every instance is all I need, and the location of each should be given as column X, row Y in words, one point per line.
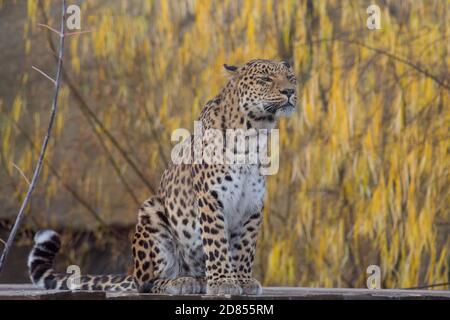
column 220, row 275
column 221, row 278
column 243, row 246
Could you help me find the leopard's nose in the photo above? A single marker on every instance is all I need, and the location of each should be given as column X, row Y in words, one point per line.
column 287, row 92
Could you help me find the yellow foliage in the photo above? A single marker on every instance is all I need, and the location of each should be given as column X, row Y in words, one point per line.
column 364, row 163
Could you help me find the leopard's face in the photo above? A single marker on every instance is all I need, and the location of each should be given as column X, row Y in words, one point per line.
column 266, row 88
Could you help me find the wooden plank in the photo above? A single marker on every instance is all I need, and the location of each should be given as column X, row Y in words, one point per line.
column 295, row 293
column 30, row 292
column 27, row 291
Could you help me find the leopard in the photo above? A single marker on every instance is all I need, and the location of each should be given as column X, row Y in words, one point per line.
column 198, row 234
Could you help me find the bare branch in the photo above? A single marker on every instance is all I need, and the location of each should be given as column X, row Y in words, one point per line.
column 61, row 34
column 51, row 29
column 21, row 172
column 412, row 65
column 58, row 177
column 76, row 33
column 44, row 74
column 37, row 170
column 428, row 286
column 88, row 112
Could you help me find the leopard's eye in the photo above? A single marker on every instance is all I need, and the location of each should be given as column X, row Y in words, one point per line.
column 265, row 79
column 292, row 78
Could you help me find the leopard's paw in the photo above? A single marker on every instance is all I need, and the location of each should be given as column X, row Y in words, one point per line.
column 224, row 286
column 184, row 285
column 250, row 286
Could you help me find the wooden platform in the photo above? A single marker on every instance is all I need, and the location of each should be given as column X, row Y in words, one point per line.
column 26, row 291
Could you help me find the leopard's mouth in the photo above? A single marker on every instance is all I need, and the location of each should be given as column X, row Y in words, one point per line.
column 280, row 108
column 286, row 109
column 287, row 105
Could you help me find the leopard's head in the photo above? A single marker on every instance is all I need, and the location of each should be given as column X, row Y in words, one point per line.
column 266, row 89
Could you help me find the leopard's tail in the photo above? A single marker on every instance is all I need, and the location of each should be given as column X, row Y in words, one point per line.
column 40, row 265
column 40, row 260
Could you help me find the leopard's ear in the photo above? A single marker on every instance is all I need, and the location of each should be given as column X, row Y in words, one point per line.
column 230, row 69
column 286, row 64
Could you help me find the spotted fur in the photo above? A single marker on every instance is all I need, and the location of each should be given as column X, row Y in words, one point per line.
column 198, row 234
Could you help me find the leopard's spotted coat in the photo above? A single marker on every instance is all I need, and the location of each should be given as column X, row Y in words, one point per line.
column 198, row 234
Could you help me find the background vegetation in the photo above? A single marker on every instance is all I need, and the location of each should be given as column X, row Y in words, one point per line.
column 364, row 163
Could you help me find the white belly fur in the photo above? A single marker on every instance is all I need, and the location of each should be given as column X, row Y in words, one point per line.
column 244, row 195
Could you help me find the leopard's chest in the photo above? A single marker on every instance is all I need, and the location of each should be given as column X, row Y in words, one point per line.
column 242, row 194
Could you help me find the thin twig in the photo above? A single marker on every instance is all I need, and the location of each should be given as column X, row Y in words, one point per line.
column 58, row 177
column 21, row 172
column 428, row 286
column 61, row 34
column 44, row 74
column 412, row 65
column 415, row 66
column 37, row 170
column 88, row 112
column 13, row 183
column 113, row 162
column 76, row 33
